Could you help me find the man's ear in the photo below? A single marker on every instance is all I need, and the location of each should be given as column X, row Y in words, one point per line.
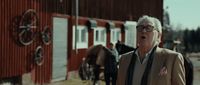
column 159, row 37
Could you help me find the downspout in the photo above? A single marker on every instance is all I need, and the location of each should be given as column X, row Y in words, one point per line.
column 76, row 25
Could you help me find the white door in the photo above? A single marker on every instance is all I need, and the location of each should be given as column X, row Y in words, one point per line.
column 59, row 48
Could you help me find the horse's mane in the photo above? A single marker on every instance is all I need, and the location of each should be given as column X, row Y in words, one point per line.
column 122, row 48
column 93, row 50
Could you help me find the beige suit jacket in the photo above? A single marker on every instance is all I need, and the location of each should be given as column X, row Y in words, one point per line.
column 173, row 62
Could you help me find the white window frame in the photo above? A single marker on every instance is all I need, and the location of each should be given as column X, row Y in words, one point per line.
column 114, row 36
column 100, row 36
column 79, row 42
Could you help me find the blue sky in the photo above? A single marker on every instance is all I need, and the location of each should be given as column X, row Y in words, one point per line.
column 185, row 12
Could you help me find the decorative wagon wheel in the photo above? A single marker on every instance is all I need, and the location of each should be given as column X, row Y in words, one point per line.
column 28, row 23
column 46, row 35
column 38, row 56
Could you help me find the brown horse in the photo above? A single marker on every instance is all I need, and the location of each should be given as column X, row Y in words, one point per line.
column 90, row 67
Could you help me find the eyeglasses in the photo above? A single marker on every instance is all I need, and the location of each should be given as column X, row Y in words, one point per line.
column 147, row 28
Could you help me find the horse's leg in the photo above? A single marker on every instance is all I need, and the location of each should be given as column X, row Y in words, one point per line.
column 96, row 73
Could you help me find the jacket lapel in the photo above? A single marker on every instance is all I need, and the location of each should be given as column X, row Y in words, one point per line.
column 158, row 63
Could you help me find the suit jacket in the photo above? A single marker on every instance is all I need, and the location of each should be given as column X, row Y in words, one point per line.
column 173, row 61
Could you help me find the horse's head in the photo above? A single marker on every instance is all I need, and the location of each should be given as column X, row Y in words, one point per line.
column 95, row 56
column 102, row 55
column 118, row 47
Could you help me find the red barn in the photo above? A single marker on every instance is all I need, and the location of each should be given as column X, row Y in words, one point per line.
column 38, row 37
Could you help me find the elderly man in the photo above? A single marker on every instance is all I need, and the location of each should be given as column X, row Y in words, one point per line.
column 149, row 64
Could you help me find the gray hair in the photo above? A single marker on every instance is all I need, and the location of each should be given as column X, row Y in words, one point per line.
column 156, row 23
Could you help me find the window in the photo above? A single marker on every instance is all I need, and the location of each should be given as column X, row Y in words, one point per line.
column 130, row 33
column 115, row 35
column 82, row 37
column 100, row 36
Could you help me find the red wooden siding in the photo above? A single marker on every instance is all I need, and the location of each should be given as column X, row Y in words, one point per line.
column 16, row 59
column 74, row 58
column 120, row 9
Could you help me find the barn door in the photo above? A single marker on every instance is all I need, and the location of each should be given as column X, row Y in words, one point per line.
column 59, row 48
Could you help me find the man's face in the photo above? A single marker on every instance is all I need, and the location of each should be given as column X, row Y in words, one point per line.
column 146, row 34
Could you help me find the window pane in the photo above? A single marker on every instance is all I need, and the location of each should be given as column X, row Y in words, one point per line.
column 102, row 35
column 97, row 35
column 77, row 35
column 118, row 35
column 83, row 35
column 113, row 35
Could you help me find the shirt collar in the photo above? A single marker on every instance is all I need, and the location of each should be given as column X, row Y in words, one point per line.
column 146, row 57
